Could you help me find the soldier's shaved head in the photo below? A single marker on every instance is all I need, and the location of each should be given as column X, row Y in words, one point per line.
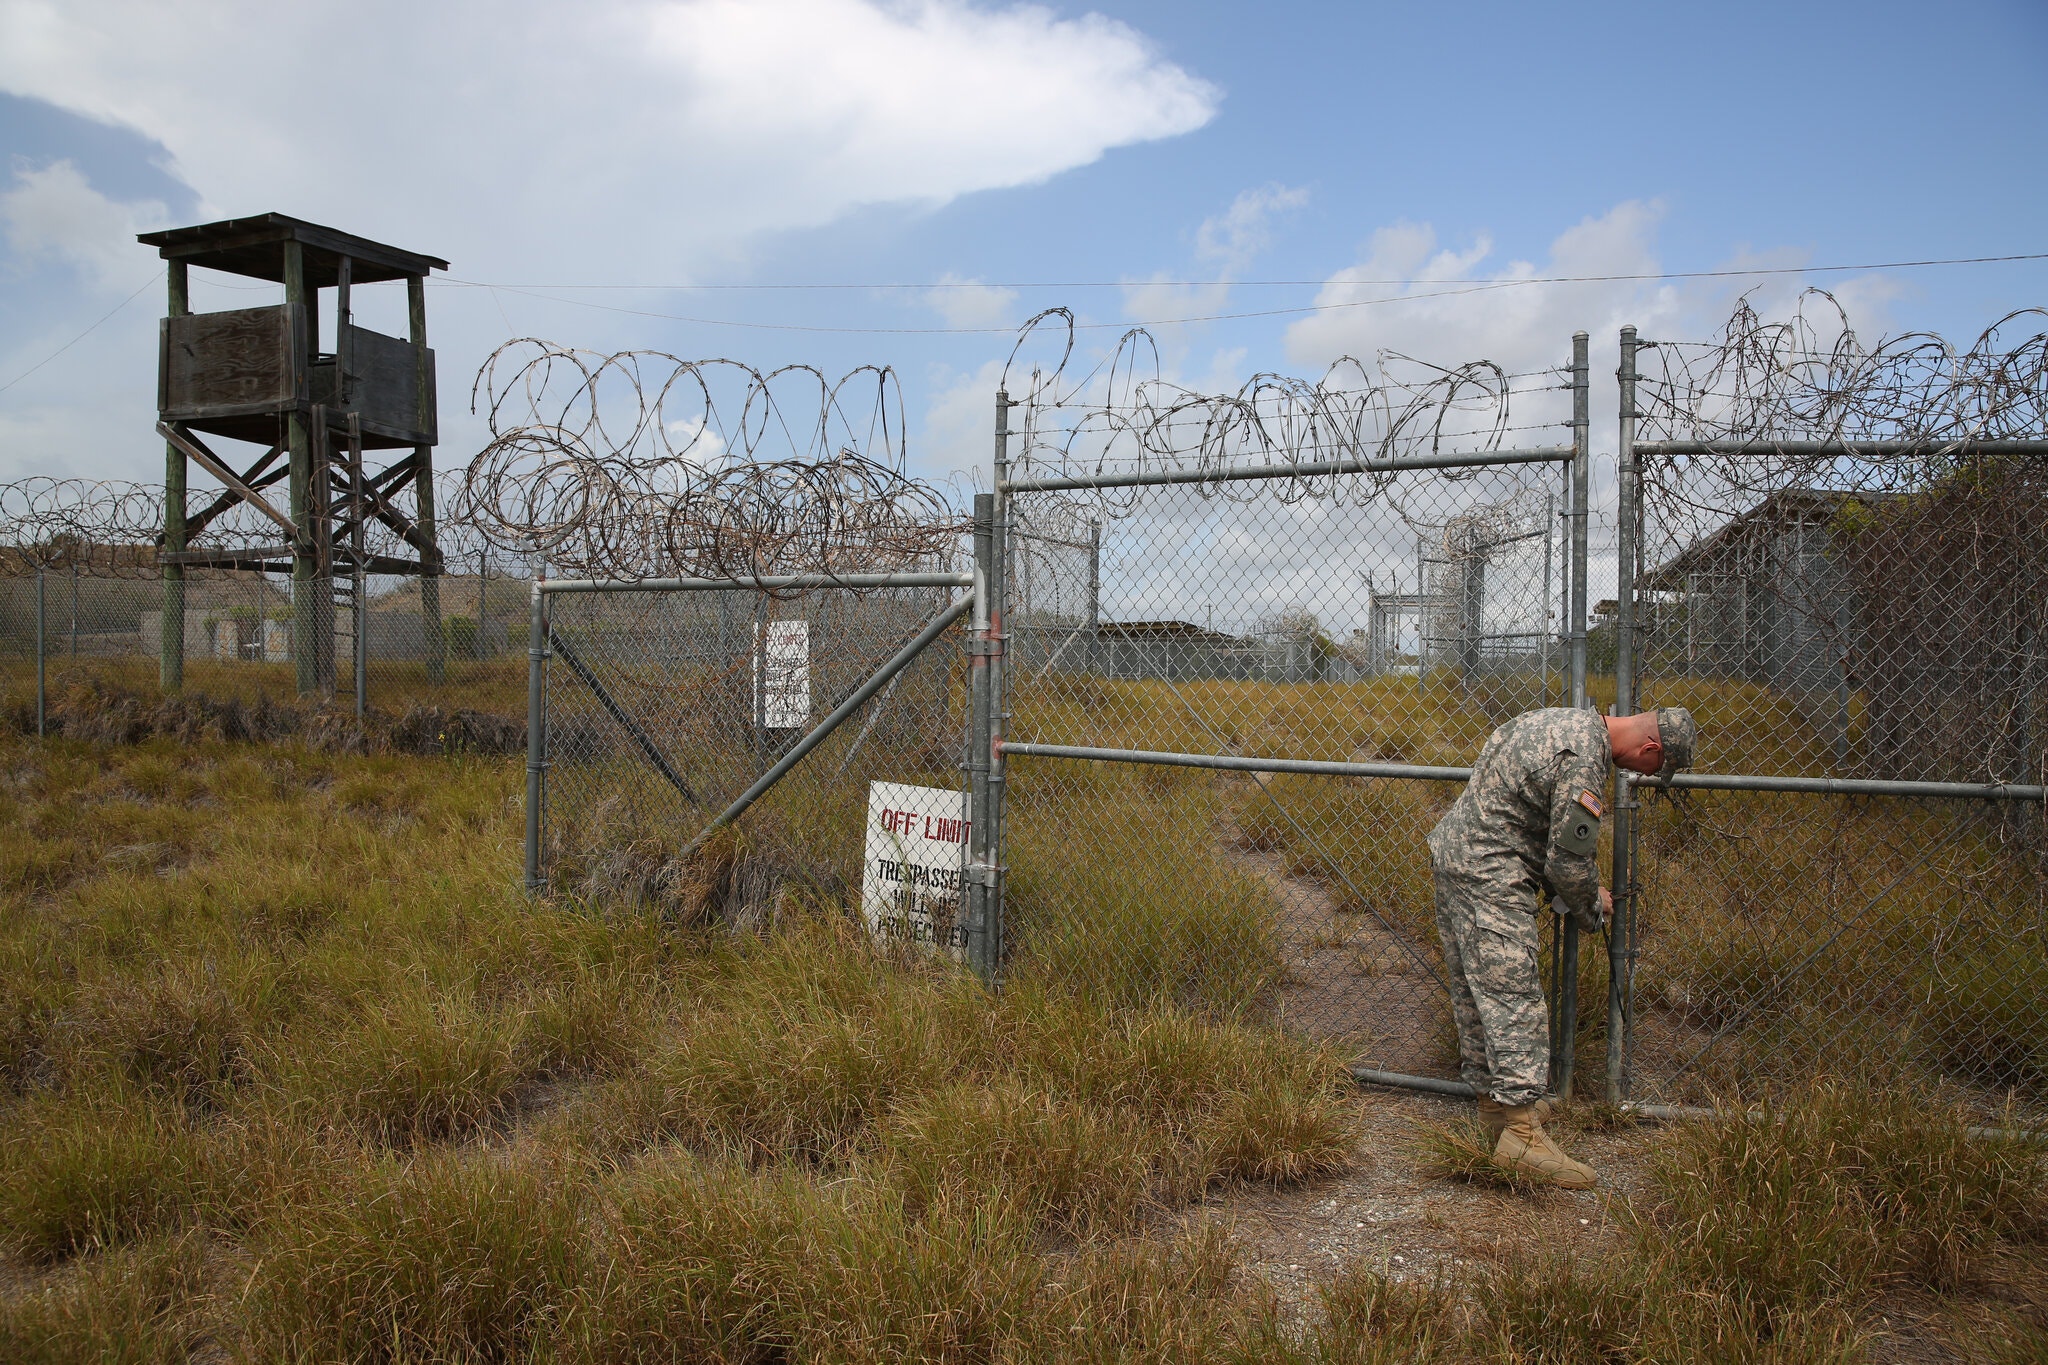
column 1637, row 742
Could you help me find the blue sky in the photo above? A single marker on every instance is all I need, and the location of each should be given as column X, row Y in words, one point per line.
column 649, row 142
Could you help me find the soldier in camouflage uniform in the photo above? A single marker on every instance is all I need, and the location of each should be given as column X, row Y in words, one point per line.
column 1529, row 818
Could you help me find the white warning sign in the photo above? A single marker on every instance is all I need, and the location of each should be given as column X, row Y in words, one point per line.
column 782, row 676
column 916, row 849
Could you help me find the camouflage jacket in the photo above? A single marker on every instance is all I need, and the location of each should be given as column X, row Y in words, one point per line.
column 1520, row 822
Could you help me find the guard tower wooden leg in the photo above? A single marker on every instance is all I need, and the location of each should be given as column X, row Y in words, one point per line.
column 423, row 487
column 171, row 669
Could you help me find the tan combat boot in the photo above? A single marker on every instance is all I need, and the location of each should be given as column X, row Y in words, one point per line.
column 1494, row 1115
column 1525, row 1149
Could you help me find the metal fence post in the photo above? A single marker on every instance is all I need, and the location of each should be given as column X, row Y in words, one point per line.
column 536, row 730
column 1578, row 475
column 1581, row 476
column 1549, row 597
column 981, row 855
column 1621, row 934
column 42, row 652
column 999, row 684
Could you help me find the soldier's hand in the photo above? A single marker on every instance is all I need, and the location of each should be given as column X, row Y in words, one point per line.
column 1598, row 913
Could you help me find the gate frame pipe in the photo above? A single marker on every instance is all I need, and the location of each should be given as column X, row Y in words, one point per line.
column 1400, row 1080
column 1582, row 482
column 42, row 651
column 760, row 582
column 1564, row 1049
column 1847, row 786
column 979, row 876
column 1234, row 763
column 1246, row 474
column 1622, row 884
column 823, row 730
column 536, row 727
column 998, row 639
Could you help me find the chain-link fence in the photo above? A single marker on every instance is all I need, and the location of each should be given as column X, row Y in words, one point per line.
column 670, row 710
column 1253, row 640
column 1841, row 567
column 93, row 621
column 1227, row 660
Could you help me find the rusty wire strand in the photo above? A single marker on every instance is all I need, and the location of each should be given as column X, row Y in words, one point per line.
column 1121, row 414
column 641, row 464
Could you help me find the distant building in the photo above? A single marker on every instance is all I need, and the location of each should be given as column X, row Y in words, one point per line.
column 1179, row 651
column 1904, row 628
column 1765, row 599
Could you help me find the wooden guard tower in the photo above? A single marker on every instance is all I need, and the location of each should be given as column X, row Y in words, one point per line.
column 258, row 375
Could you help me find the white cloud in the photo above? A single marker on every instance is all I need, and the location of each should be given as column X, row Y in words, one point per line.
column 695, row 440
column 1227, row 242
column 608, row 141
column 1439, row 318
column 970, row 303
column 1236, row 236
column 959, row 425
column 630, row 137
column 52, row 213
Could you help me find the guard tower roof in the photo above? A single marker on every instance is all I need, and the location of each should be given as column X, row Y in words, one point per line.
column 255, row 247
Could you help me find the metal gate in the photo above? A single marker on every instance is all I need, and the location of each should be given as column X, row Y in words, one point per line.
column 660, row 708
column 1252, row 644
column 1838, row 559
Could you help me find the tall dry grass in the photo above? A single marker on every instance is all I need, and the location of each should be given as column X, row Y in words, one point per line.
column 292, row 1004
column 494, row 687
column 294, row 1071
column 1781, row 936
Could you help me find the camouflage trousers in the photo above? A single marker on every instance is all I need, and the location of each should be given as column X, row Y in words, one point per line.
column 1489, row 938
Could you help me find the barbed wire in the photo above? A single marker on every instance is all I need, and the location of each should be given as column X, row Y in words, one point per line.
column 1767, row 388
column 1121, row 415
column 1809, row 377
column 114, row 528
column 642, row 464
column 1898, row 593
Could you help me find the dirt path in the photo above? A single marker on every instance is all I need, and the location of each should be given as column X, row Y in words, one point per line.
column 1392, row 1213
column 1351, row 981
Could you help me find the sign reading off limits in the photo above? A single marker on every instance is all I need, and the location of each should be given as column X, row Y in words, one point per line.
column 916, row 851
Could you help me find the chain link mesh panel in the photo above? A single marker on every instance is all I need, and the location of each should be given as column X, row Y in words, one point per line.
column 1350, row 619
column 454, row 642
column 236, row 634
column 1851, row 584
column 663, row 707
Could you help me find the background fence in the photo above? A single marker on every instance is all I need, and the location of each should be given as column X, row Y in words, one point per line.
column 1230, row 657
column 1842, row 568
column 87, row 616
column 1254, row 639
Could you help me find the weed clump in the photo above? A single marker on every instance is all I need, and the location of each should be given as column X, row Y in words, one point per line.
column 139, row 1306
column 92, row 1172
column 1847, row 1191
column 441, row 1258
column 1988, row 1027
column 103, row 707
